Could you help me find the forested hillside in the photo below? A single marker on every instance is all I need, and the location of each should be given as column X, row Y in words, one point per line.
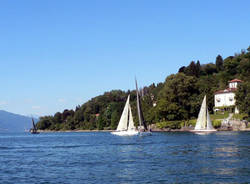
column 177, row 98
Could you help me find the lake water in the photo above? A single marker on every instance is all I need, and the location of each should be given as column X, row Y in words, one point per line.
column 222, row 157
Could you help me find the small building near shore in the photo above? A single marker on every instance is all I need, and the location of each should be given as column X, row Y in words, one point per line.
column 226, row 98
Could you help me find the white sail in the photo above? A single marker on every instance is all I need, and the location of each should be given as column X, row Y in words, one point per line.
column 201, row 121
column 209, row 123
column 126, row 125
column 204, row 124
column 131, row 125
column 123, row 123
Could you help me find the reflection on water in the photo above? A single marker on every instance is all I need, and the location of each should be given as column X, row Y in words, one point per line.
column 222, row 157
column 226, row 151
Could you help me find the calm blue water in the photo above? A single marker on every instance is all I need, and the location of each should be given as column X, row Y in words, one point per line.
column 223, row 157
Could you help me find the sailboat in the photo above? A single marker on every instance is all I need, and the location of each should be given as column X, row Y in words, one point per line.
column 204, row 124
column 143, row 129
column 34, row 129
column 126, row 125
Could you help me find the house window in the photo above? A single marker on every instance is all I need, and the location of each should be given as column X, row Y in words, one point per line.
column 231, row 99
column 218, row 99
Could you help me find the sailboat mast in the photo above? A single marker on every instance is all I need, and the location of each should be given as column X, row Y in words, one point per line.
column 137, row 102
column 140, row 115
column 34, row 126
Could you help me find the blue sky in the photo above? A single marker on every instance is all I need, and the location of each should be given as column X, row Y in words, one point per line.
column 56, row 54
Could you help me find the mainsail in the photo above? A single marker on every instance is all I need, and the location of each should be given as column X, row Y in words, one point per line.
column 131, row 125
column 34, row 126
column 209, row 123
column 123, row 123
column 201, row 121
column 126, row 125
column 140, row 114
column 204, row 121
column 34, row 129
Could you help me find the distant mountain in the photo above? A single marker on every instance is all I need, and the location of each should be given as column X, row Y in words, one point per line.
column 10, row 122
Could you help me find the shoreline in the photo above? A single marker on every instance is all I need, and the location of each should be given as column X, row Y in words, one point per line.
column 61, row 131
column 154, row 130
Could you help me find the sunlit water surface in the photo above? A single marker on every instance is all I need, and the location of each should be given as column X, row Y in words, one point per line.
column 222, row 157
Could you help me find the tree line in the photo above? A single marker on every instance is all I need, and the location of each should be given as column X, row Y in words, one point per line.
column 177, row 98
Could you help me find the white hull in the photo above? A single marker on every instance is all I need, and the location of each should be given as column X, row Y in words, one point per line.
column 125, row 133
column 205, row 130
column 145, row 133
column 202, row 132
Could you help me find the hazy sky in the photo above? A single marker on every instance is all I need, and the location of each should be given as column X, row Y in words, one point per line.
column 56, row 54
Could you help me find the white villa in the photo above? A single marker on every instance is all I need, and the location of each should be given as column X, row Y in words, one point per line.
column 225, row 98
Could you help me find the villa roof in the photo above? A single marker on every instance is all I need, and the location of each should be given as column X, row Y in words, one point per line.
column 236, row 80
column 228, row 90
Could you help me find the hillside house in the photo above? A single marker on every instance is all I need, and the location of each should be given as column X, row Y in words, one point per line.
column 226, row 98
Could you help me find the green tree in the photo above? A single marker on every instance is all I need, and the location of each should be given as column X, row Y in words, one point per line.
column 114, row 120
column 78, row 116
column 198, row 68
column 176, row 96
column 248, row 49
column 230, row 65
column 243, row 98
column 243, row 68
column 182, row 69
column 209, row 69
column 192, row 69
column 219, row 63
column 58, row 118
column 100, row 122
column 45, row 122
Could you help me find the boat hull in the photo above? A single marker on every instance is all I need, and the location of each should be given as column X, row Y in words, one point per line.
column 202, row 132
column 214, row 130
column 145, row 133
column 32, row 131
column 35, row 132
column 125, row 133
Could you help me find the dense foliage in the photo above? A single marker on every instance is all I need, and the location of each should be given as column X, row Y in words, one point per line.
column 178, row 98
column 243, row 99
